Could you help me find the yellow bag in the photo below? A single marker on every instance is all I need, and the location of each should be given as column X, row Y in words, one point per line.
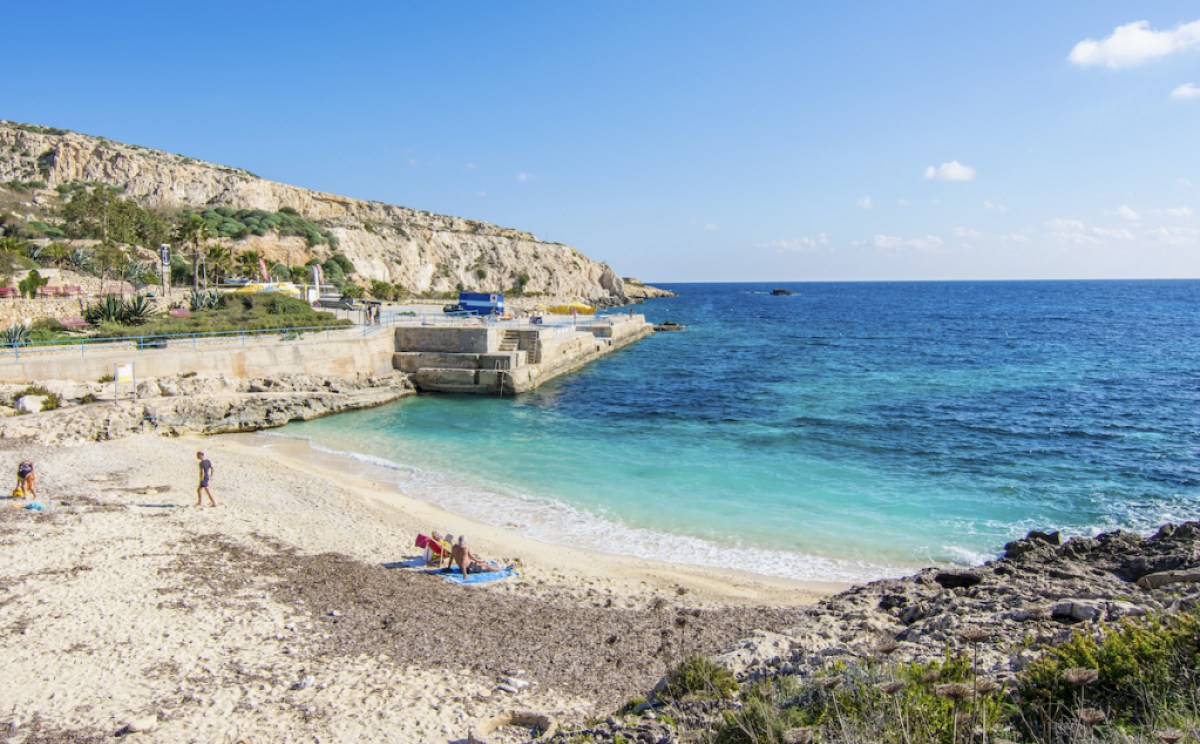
column 18, row 493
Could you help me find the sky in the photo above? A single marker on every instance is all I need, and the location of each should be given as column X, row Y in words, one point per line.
column 679, row 141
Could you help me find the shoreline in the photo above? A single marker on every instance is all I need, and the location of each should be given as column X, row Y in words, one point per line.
column 290, row 609
column 635, row 575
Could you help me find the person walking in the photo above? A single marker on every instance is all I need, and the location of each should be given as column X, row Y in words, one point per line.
column 206, row 472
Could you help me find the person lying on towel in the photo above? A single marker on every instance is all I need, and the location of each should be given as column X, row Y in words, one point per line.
column 469, row 562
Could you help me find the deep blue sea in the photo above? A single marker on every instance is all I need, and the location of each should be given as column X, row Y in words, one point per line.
column 847, row 432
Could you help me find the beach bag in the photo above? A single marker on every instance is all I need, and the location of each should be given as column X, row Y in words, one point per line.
column 18, row 493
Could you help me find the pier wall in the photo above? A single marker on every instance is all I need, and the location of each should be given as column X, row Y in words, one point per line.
column 350, row 356
column 456, row 359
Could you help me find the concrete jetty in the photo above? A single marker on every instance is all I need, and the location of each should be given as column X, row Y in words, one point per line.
column 505, row 357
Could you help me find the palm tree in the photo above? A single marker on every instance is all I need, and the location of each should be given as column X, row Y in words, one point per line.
column 218, row 262
column 194, row 230
column 247, row 262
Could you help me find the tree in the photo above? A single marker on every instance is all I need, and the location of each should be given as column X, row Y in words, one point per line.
column 106, row 259
column 218, row 263
column 193, row 230
column 247, row 263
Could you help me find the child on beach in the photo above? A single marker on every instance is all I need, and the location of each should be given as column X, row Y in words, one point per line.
column 25, row 479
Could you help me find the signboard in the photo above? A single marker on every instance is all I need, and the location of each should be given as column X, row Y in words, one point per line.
column 123, row 373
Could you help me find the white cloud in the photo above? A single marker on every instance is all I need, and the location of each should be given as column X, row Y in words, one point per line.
column 796, row 245
column 968, row 233
column 710, row 227
column 904, row 202
column 1062, row 225
column 1135, row 43
column 1119, row 233
column 952, row 171
column 1187, row 90
column 525, row 177
column 470, row 167
column 1125, row 213
column 864, row 202
column 894, row 242
column 1181, row 212
column 1184, row 183
column 1181, row 236
column 992, row 207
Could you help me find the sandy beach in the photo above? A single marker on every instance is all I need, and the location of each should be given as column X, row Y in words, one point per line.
column 287, row 613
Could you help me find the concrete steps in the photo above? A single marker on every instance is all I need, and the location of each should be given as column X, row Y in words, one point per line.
column 510, row 341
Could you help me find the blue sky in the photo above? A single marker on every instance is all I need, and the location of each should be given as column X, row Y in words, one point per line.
column 680, row 141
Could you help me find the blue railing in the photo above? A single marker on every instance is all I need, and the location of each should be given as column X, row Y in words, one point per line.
column 14, row 352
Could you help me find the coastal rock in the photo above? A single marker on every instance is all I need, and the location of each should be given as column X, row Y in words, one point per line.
column 208, row 405
column 1033, row 595
column 31, row 403
column 761, row 648
column 957, row 579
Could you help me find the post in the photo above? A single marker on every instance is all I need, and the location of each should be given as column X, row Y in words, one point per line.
column 164, row 253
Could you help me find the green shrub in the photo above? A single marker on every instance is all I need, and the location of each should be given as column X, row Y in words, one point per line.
column 88, row 398
column 758, row 722
column 28, row 286
column 700, row 677
column 1147, row 669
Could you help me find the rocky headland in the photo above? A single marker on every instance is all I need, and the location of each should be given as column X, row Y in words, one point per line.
column 424, row 252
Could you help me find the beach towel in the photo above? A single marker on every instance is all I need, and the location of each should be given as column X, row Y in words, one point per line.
column 36, row 506
column 479, row 578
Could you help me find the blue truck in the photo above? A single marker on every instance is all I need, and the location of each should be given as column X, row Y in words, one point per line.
column 477, row 303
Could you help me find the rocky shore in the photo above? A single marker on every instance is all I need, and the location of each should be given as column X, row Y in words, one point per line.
column 58, row 412
column 1005, row 613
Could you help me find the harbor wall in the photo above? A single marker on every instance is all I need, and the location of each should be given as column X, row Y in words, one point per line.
column 348, row 356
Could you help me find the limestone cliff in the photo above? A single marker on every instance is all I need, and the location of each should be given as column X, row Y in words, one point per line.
column 422, row 251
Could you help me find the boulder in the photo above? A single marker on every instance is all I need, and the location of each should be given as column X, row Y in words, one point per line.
column 31, row 403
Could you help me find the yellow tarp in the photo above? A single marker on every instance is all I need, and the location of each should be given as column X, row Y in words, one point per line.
column 573, row 307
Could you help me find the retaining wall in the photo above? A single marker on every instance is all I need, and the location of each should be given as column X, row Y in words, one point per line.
column 261, row 356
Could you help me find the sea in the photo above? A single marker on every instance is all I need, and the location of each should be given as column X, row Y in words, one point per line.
column 845, row 432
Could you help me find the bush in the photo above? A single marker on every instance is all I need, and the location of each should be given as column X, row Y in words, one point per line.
column 700, row 677
column 1146, row 668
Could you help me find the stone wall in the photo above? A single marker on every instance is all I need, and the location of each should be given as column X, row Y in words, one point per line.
column 344, row 353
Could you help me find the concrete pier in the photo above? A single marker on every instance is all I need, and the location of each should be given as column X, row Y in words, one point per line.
column 474, row 356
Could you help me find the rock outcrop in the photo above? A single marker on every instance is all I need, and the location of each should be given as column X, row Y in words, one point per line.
column 422, row 251
column 1013, row 606
column 173, row 406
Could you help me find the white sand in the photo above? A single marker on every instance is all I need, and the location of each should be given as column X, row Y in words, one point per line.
column 101, row 626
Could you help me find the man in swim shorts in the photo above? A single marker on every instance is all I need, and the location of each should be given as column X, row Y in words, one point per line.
column 468, row 561
column 206, row 471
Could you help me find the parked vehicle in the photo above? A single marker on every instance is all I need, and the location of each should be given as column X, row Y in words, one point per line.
column 477, row 303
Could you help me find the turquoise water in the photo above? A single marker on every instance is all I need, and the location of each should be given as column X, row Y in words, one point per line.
column 849, row 432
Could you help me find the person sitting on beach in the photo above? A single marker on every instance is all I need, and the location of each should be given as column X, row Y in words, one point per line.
column 468, row 561
column 25, row 479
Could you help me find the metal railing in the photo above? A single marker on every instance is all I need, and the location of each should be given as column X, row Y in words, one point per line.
column 179, row 341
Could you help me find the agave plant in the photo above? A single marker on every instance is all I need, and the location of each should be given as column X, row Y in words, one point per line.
column 207, row 299
column 110, row 309
column 15, row 335
column 137, row 310
column 79, row 259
